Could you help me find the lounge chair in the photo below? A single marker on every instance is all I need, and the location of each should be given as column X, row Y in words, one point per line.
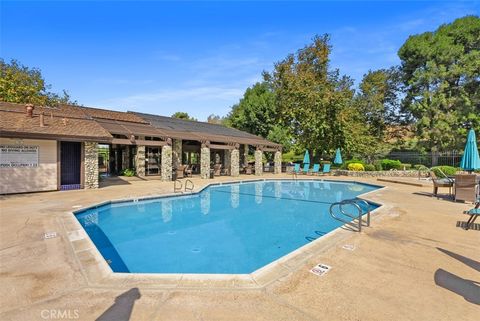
column 315, row 169
column 181, row 171
column 474, row 213
column 189, row 171
column 326, row 169
column 249, row 169
column 466, row 187
column 441, row 182
column 305, row 168
column 296, row 169
column 217, row 169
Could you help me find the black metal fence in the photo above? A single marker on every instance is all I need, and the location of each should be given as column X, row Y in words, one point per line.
column 451, row 158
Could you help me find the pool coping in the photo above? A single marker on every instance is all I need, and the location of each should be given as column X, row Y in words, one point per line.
column 98, row 272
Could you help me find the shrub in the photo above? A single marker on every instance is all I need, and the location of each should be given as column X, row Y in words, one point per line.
column 348, row 162
column 369, row 167
column 388, row 164
column 406, row 166
column 378, row 166
column 129, row 172
column 420, row 167
column 447, row 170
column 357, row 167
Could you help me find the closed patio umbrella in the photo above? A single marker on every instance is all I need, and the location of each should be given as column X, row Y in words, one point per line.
column 338, row 157
column 470, row 159
column 306, row 158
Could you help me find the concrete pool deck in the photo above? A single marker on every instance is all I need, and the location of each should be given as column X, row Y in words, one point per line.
column 413, row 263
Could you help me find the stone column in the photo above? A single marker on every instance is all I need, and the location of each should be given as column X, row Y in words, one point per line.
column 235, row 162
column 227, row 163
column 205, row 160
column 277, row 162
column 91, row 165
column 140, row 161
column 167, row 162
column 177, row 153
column 258, row 162
column 245, row 154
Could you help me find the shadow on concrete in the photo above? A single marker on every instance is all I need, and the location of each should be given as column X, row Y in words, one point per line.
column 121, row 310
column 465, row 260
column 444, row 197
column 469, row 289
column 463, row 225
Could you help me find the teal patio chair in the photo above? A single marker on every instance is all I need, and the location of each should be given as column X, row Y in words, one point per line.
column 315, row 169
column 305, row 169
column 326, row 169
column 474, row 213
column 296, row 170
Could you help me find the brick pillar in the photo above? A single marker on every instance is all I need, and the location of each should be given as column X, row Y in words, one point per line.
column 177, row 153
column 277, row 162
column 91, row 165
column 258, row 162
column 167, row 162
column 234, row 162
column 205, row 160
column 140, row 161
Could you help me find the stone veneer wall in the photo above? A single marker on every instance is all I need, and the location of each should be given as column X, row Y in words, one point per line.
column 277, row 162
column 166, row 163
column 140, row 161
column 205, row 162
column 91, row 165
column 235, row 162
column 177, row 153
column 258, row 162
column 412, row 173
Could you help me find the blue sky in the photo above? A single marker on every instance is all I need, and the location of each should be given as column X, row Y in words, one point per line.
column 199, row 57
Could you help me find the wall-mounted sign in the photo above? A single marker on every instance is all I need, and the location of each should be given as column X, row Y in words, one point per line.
column 18, row 156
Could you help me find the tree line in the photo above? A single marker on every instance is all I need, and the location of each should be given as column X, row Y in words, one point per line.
column 423, row 104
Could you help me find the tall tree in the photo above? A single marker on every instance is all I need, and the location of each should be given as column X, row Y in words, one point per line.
column 215, row 119
column 21, row 84
column 441, row 74
column 183, row 115
column 256, row 112
column 313, row 100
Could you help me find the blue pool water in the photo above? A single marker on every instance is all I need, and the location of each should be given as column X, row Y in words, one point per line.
column 230, row 228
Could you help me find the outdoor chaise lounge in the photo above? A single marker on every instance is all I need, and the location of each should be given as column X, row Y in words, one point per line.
column 326, row 169
column 315, row 169
column 305, row 169
column 474, row 213
column 441, row 182
column 466, row 187
column 296, row 169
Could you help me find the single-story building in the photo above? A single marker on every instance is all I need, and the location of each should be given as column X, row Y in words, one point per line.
column 66, row 147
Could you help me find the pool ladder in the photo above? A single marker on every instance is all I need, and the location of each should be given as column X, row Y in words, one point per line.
column 357, row 226
column 178, row 186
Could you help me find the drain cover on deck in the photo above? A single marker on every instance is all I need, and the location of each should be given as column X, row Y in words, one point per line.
column 49, row 235
column 320, row 269
column 349, row 247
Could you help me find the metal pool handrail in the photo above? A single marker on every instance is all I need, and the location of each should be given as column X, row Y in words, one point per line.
column 357, row 217
column 177, row 186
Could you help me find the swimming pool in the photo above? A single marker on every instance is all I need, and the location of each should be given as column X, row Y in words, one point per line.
column 227, row 229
